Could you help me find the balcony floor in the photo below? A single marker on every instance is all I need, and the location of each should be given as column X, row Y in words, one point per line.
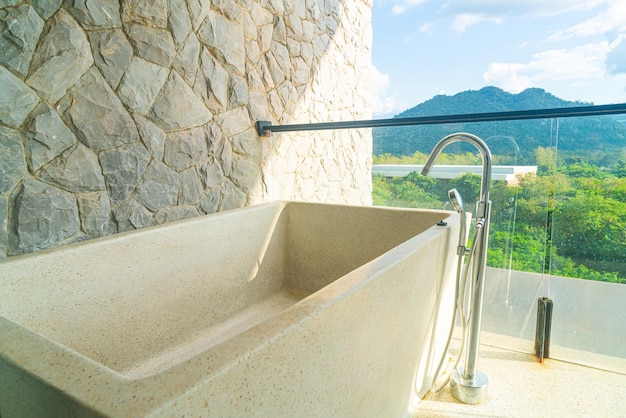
column 519, row 386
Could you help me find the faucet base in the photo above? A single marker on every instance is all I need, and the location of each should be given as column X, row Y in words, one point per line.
column 472, row 391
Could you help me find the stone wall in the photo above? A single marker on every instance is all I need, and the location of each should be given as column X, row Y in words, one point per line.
column 120, row 114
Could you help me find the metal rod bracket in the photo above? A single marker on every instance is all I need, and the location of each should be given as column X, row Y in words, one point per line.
column 262, row 128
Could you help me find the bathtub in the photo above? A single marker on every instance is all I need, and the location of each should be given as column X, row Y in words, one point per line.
column 283, row 309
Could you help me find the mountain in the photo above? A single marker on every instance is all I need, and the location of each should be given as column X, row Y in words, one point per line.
column 580, row 135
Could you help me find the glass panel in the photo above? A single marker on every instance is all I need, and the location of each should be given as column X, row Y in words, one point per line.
column 588, row 322
column 566, row 216
column 588, row 242
column 518, row 238
column 518, row 241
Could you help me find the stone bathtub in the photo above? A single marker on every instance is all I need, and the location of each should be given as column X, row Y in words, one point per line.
column 283, row 309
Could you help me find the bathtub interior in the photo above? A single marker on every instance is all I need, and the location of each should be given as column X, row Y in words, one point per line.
column 140, row 302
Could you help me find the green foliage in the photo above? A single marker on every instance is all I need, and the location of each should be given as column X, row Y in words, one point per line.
column 419, row 158
column 582, row 169
column 590, row 225
column 522, row 251
column 381, row 193
column 545, row 158
column 615, row 188
column 569, row 221
column 414, row 159
column 601, row 139
column 468, row 185
column 619, row 169
column 405, row 192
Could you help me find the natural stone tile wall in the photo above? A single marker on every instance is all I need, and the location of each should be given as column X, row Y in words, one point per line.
column 120, row 114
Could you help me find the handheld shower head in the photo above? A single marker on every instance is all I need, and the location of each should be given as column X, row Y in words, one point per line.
column 457, row 203
column 455, row 200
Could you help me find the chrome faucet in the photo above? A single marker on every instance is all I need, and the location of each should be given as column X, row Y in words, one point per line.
column 467, row 384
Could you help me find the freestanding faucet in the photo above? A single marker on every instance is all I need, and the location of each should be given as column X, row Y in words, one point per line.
column 467, row 384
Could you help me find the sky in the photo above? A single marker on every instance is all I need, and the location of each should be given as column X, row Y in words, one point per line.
column 574, row 49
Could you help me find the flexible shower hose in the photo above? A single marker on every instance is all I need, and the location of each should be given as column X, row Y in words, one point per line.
column 460, row 294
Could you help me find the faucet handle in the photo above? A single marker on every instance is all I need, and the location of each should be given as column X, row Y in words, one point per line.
column 482, row 208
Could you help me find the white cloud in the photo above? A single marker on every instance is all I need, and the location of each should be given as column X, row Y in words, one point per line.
column 466, row 13
column 507, row 77
column 577, row 65
column 398, row 9
column 466, row 20
column 583, row 62
column 380, row 81
column 613, row 19
column 500, row 8
column 426, row 27
column 616, row 59
column 384, row 104
column 405, row 5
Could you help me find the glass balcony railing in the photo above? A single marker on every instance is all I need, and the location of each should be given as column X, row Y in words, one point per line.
column 558, row 221
column 558, row 225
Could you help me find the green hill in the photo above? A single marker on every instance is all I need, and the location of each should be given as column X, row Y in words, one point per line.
column 597, row 138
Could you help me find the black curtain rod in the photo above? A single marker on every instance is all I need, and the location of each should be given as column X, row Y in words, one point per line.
column 265, row 128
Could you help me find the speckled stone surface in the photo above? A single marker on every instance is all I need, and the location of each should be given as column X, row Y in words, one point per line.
column 284, row 309
column 520, row 386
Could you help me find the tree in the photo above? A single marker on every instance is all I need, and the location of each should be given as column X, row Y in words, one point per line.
column 468, row 186
column 545, row 159
column 569, row 222
column 619, row 169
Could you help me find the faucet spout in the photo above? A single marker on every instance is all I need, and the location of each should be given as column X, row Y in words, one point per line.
column 485, row 154
column 468, row 384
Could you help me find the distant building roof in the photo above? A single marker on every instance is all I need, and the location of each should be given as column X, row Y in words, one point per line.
column 508, row 173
